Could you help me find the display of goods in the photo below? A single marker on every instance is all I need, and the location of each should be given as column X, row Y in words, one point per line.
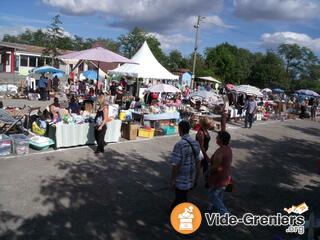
column 37, row 130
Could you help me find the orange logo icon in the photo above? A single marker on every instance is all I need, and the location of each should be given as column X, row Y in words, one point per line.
column 186, row 218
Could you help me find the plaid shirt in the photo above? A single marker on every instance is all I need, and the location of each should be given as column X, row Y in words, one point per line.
column 182, row 156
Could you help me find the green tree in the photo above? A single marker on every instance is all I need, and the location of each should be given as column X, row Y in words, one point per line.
column 202, row 68
column 129, row 44
column 107, row 43
column 268, row 71
column 229, row 63
column 222, row 59
column 9, row 38
column 297, row 60
column 176, row 60
column 54, row 36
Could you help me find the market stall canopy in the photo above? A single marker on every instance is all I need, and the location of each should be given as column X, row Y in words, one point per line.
column 90, row 74
column 277, row 90
column 204, row 94
column 267, row 90
column 209, row 96
column 166, row 88
column 307, row 92
column 148, row 66
column 98, row 54
column 46, row 69
column 249, row 90
column 209, row 79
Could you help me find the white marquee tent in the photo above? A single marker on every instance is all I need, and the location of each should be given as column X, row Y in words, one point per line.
column 147, row 66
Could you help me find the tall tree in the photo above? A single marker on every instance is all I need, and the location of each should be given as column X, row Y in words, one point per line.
column 129, row 44
column 55, row 34
column 268, row 71
column 176, row 60
column 297, row 60
column 230, row 63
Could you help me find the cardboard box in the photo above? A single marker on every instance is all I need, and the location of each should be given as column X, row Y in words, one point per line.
column 129, row 131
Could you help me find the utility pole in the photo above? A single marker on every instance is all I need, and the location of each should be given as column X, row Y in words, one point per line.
column 197, row 26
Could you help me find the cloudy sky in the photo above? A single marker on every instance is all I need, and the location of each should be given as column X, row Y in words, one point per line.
column 253, row 24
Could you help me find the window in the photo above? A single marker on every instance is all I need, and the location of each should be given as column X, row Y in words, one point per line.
column 49, row 61
column 40, row 62
column 16, row 64
column 32, row 61
column 23, row 61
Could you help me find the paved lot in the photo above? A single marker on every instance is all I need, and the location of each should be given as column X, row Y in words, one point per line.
column 74, row 194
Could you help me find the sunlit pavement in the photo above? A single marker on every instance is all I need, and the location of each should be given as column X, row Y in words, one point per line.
column 123, row 194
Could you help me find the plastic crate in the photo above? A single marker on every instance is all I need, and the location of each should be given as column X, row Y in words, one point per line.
column 5, row 145
column 20, row 143
column 146, row 133
column 168, row 130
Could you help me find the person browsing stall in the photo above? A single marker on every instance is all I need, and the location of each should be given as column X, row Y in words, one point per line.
column 250, row 106
column 42, row 85
column 54, row 114
column 74, row 105
column 101, row 120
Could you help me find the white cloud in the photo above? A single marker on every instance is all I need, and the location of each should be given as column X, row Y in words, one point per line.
column 277, row 9
column 153, row 15
column 273, row 40
column 170, row 42
column 215, row 21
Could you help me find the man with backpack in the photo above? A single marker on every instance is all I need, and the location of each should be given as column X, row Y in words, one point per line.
column 185, row 165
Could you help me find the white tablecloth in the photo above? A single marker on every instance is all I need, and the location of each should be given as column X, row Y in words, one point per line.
column 68, row 135
column 160, row 116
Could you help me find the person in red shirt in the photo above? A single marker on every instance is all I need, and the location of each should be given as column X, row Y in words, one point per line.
column 220, row 176
column 71, row 75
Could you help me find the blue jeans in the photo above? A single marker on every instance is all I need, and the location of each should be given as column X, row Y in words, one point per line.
column 216, row 200
column 248, row 119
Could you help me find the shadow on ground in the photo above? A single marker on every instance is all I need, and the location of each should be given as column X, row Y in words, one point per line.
column 121, row 196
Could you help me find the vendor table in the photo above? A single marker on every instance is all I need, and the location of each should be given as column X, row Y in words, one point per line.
column 156, row 117
column 69, row 135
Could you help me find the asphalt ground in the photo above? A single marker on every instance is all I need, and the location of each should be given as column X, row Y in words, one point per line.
column 123, row 194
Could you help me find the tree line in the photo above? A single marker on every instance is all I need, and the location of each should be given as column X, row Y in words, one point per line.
column 290, row 66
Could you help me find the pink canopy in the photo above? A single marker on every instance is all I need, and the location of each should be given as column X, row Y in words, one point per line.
column 98, row 54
